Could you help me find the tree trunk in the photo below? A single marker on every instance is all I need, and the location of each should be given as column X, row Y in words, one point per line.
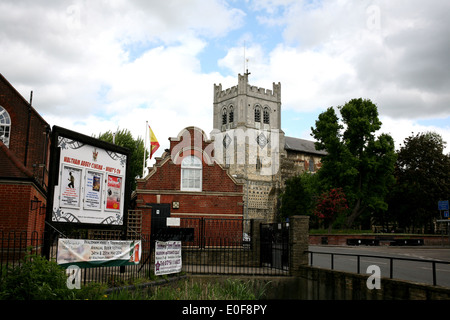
column 357, row 210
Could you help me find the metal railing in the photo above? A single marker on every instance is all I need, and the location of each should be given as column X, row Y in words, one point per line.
column 391, row 262
column 15, row 247
column 212, row 246
column 222, row 246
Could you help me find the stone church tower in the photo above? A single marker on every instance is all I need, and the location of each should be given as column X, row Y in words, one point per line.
column 249, row 141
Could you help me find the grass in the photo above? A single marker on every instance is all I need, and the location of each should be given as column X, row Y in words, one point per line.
column 39, row 279
column 189, row 289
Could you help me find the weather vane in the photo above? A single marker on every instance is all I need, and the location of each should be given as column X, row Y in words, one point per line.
column 245, row 63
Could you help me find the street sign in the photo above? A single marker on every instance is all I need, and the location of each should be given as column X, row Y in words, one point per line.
column 446, row 214
column 443, row 205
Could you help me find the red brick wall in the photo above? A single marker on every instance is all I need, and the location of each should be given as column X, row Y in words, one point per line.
column 18, row 186
column 19, row 110
column 16, row 213
column 221, row 195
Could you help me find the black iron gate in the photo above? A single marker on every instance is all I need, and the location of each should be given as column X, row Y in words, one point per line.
column 275, row 245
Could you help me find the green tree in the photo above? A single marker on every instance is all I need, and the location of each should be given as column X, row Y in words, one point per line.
column 357, row 161
column 423, row 178
column 299, row 195
column 124, row 138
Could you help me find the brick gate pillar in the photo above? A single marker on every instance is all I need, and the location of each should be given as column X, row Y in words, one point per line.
column 299, row 243
column 256, row 241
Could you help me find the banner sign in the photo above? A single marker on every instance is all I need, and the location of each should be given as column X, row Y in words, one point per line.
column 96, row 253
column 167, row 257
column 89, row 182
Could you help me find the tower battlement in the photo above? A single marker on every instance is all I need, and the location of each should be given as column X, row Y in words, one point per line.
column 243, row 87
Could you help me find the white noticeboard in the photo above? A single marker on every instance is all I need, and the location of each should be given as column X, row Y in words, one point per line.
column 167, row 257
column 173, row 222
column 90, row 186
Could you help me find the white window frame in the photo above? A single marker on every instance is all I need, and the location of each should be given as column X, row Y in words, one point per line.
column 191, row 174
column 5, row 124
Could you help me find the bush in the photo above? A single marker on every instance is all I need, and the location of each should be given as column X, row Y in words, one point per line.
column 35, row 278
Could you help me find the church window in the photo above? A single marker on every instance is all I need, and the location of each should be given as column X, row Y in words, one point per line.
column 224, row 116
column 311, row 164
column 257, row 114
column 191, row 174
column 266, row 115
column 5, row 126
column 231, row 115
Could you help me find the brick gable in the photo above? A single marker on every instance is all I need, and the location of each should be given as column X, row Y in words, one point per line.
column 221, row 195
column 24, row 164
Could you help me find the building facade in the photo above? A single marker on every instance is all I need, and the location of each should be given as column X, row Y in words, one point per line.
column 250, row 142
column 239, row 172
column 24, row 162
column 186, row 182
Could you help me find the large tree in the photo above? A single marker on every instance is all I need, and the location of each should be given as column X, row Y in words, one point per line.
column 124, row 138
column 423, row 178
column 299, row 195
column 358, row 161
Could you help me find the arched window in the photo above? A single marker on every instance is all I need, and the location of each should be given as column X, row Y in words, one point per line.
column 224, row 116
column 5, row 126
column 191, row 174
column 266, row 115
column 231, row 115
column 311, row 164
column 257, row 114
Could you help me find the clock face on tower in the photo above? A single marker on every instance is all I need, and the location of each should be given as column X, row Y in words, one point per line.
column 226, row 140
column 261, row 140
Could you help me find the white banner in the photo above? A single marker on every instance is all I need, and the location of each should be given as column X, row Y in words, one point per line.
column 92, row 253
column 167, row 257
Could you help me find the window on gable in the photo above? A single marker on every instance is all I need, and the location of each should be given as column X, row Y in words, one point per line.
column 5, row 126
column 191, row 174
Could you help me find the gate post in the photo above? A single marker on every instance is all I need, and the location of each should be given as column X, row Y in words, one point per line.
column 299, row 243
column 256, row 241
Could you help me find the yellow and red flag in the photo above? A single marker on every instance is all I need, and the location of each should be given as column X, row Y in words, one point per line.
column 154, row 144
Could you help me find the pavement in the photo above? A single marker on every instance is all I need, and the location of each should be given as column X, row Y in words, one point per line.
column 441, row 253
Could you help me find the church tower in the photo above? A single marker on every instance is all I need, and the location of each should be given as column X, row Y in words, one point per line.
column 249, row 141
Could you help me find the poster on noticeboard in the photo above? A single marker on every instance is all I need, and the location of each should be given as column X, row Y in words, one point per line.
column 114, row 188
column 88, row 180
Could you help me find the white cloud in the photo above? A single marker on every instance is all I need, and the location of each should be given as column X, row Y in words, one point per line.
column 400, row 129
column 394, row 52
column 94, row 67
column 76, row 57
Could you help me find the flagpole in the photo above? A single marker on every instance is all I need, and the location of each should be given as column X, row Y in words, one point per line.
column 145, row 146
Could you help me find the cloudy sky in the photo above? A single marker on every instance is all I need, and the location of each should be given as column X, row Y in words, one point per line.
column 95, row 66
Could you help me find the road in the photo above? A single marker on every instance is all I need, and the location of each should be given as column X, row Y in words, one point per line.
column 416, row 271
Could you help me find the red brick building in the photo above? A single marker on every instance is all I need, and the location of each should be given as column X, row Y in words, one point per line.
column 24, row 162
column 185, row 182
